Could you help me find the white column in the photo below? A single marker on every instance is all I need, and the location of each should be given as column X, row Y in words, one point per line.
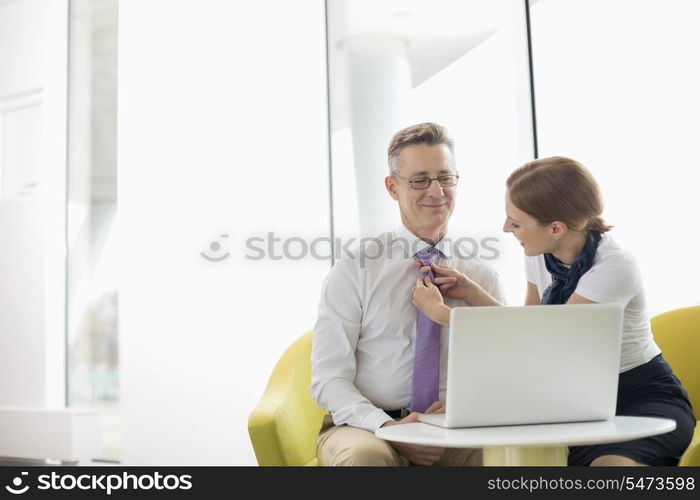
column 32, row 162
column 380, row 80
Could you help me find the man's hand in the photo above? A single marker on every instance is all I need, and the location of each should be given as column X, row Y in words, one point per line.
column 416, row 454
column 437, row 407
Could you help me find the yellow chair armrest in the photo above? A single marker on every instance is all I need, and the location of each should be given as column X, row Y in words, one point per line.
column 691, row 457
column 284, row 425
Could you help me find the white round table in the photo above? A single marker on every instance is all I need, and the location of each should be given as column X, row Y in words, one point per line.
column 544, row 444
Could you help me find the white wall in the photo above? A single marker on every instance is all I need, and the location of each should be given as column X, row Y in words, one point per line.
column 33, row 48
column 222, row 130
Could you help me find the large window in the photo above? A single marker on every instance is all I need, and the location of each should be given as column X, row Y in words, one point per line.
column 222, row 131
column 463, row 64
column 617, row 89
column 202, row 117
column 92, row 297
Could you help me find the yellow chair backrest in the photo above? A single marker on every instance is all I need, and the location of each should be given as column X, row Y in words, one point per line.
column 283, row 427
column 678, row 335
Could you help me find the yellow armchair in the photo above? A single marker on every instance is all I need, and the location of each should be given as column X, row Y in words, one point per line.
column 283, row 427
column 678, row 335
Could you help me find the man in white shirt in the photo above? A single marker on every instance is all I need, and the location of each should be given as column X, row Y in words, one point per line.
column 364, row 338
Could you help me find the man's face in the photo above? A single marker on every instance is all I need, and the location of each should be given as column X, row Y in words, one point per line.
column 424, row 212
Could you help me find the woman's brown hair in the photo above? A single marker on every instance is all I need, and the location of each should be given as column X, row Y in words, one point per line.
column 558, row 188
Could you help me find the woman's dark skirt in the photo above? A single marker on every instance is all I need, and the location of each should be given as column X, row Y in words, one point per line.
column 649, row 390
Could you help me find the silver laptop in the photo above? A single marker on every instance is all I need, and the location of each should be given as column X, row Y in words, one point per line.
column 531, row 365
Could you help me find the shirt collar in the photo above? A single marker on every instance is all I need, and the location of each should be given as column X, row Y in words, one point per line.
column 414, row 242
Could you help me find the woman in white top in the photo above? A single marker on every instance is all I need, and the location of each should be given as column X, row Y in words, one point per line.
column 553, row 208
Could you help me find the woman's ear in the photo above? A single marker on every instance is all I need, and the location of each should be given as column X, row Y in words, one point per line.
column 558, row 229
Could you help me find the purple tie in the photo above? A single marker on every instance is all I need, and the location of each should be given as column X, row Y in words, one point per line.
column 425, row 389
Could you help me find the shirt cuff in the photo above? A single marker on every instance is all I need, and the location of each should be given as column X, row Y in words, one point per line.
column 375, row 420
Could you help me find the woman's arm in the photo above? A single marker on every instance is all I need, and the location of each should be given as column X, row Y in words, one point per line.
column 532, row 297
column 456, row 285
column 428, row 299
column 577, row 299
column 474, row 295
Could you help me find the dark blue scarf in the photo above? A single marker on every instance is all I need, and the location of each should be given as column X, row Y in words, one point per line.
column 565, row 279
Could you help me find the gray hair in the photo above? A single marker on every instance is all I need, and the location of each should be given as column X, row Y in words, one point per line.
column 428, row 133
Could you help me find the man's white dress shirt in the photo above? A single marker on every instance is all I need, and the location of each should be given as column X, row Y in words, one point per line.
column 364, row 337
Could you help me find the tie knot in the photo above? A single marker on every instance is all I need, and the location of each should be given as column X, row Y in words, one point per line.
column 427, row 256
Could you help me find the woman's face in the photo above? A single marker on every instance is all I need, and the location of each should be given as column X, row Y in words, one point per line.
column 535, row 238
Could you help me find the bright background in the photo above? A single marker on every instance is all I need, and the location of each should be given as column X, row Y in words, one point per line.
column 188, row 121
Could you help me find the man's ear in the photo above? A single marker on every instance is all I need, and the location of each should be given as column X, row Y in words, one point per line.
column 390, row 183
column 559, row 229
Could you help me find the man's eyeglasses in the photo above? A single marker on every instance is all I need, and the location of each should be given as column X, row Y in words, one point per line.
column 425, row 182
